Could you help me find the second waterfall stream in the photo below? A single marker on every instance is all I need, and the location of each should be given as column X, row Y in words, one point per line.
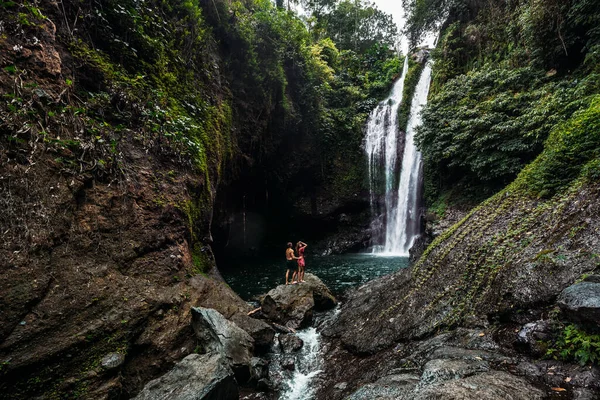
column 395, row 168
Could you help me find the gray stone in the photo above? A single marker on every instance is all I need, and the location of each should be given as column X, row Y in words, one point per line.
column 581, row 302
column 282, row 329
column 341, row 386
column 293, row 305
column 529, row 369
column 392, row 387
column 290, row 343
column 218, row 335
column 112, row 361
column 584, row 394
column 196, row 377
column 259, row 368
column 532, row 334
column 261, row 332
column 492, row 385
column 436, row 371
column 288, row 363
column 458, row 353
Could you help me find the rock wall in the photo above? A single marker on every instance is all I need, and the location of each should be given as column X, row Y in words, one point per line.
column 102, row 267
column 499, row 281
column 105, row 228
column 512, row 254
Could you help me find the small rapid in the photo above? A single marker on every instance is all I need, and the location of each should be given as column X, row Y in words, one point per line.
column 308, row 366
column 294, row 373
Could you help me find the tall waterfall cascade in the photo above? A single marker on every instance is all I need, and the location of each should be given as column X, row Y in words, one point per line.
column 395, row 189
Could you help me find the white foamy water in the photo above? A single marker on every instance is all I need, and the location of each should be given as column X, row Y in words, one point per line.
column 396, row 220
column 308, row 366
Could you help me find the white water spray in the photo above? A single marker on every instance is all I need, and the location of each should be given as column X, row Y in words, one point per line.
column 401, row 206
column 308, row 366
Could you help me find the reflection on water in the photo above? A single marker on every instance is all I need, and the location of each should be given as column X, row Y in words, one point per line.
column 255, row 277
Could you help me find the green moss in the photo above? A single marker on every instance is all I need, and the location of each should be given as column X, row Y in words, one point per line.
column 410, row 84
column 202, row 263
column 572, row 151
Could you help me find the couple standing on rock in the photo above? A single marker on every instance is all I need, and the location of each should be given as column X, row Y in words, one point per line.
column 295, row 264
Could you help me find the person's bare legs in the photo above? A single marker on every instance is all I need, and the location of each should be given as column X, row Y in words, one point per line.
column 302, row 274
column 287, row 275
column 295, row 277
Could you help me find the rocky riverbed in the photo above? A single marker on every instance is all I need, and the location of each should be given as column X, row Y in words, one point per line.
column 229, row 358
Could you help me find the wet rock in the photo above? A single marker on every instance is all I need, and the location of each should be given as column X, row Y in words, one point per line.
column 218, row 335
column 390, row 387
column 581, row 302
column 436, row 371
column 290, row 343
column 493, row 385
column 532, row 334
column 196, row 377
column 293, row 305
column 112, row 361
column 262, row 333
column 259, row 369
column 288, row 363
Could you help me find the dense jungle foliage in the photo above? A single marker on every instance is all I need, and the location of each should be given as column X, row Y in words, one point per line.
column 506, row 75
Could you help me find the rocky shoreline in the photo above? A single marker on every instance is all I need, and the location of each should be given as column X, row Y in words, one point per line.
column 486, row 359
column 229, row 358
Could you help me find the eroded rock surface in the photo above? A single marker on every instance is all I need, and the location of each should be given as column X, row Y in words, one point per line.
column 289, row 343
column 293, row 305
column 463, row 364
column 474, row 269
column 218, row 335
column 196, row 377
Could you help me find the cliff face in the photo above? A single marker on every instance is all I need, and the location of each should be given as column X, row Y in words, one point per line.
column 501, row 275
column 107, row 184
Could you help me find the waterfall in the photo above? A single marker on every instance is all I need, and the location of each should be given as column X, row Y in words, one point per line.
column 400, row 206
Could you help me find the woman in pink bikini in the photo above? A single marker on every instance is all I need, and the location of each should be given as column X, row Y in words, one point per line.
column 300, row 246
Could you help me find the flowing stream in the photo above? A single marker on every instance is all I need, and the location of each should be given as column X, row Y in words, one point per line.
column 308, row 366
column 250, row 278
column 396, row 219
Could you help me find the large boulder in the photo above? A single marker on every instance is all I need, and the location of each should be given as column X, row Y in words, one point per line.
column 581, row 302
column 216, row 334
column 262, row 333
column 293, row 305
column 493, row 385
column 196, row 377
column 290, row 343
